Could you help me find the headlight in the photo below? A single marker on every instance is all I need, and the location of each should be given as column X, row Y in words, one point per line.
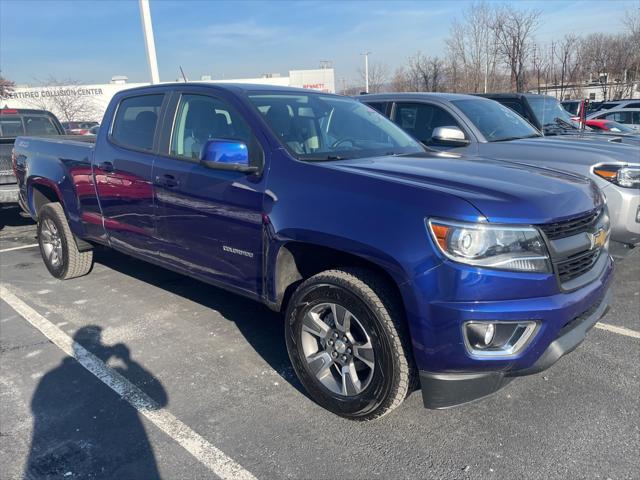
column 518, row 249
column 627, row 176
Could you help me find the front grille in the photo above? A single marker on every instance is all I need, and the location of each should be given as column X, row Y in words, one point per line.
column 583, row 223
column 576, row 266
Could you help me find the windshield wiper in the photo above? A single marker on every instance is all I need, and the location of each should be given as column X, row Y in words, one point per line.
column 323, row 158
column 506, row 139
column 563, row 122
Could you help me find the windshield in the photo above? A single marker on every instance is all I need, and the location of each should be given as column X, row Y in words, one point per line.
column 322, row 127
column 495, row 121
column 549, row 111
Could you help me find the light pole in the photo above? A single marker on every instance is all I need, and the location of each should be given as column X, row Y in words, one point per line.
column 366, row 71
column 147, row 30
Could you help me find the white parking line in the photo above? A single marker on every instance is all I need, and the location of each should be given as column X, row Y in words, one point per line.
column 619, row 330
column 22, row 247
column 210, row 456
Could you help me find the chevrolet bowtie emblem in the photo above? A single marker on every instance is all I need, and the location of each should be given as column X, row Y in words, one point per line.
column 598, row 239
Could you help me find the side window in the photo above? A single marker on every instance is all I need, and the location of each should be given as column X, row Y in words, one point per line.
column 136, row 121
column 39, row 125
column 632, row 105
column 636, row 118
column 200, row 118
column 11, row 127
column 379, row 106
column 420, row 119
column 620, row 117
column 515, row 106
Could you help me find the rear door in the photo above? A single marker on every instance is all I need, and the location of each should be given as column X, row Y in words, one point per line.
column 122, row 170
column 209, row 221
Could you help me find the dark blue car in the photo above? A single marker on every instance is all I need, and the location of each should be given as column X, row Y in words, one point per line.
column 390, row 262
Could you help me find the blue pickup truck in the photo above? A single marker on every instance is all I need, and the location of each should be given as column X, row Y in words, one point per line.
column 394, row 266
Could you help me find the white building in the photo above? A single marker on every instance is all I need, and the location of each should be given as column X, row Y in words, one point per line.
column 88, row 102
column 597, row 90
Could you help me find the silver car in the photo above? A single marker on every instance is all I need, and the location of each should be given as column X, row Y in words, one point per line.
column 626, row 116
column 483, row 127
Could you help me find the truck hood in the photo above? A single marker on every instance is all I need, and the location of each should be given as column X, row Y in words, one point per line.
column 502, row 191
column 569, row 149
column 608, row 137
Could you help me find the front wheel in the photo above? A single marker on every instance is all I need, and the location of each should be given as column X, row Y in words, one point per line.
column 346, row 339
column 58, row 246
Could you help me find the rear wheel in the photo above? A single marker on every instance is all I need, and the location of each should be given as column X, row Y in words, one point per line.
column 346, row 340
column 58, row 246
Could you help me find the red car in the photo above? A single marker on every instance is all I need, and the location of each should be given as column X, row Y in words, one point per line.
column 608, row 126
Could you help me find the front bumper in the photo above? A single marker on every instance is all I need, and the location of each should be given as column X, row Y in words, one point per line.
column 443, row 390
column 451, row 294
column 624, row 211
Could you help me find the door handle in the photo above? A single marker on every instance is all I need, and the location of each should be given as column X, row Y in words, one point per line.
column 106, row 166
column 166, row 180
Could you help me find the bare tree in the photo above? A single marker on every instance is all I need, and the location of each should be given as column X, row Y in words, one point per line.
column 378, row 76
column 568, row 60
column 611, row 59
column 472, row 49
column 67, row 99
column 426, row 74
column 540, row 65
column 514, row 30
column 6, row 87
column 400, row 81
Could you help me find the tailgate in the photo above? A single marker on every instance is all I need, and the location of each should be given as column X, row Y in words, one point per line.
column 6, row 169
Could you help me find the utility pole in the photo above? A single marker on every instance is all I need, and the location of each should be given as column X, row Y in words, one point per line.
column 366, row 71
column 147, row 30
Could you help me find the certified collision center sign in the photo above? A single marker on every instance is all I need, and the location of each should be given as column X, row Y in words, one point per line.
column 54, row 92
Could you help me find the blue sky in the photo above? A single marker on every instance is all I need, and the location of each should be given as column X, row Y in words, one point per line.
column 90, row 41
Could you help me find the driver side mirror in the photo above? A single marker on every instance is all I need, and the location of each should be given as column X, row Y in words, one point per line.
column 226, row 155
column 452, row 136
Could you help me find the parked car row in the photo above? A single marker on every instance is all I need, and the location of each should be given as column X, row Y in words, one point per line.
column 80, row 128
column 433, row 239
column 573, row 106
column 478, row 126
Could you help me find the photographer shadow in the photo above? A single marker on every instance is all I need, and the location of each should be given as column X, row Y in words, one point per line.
column 82, row 428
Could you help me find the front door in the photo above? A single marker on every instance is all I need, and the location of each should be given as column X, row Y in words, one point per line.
column 421, row 119
column 209, row 221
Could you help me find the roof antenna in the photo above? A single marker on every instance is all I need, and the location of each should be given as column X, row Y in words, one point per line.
column 184, row 77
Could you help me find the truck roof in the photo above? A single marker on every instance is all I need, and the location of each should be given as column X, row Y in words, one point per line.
column 511, row 95
column 435, row 95
column 22, row 111
column 232, row 87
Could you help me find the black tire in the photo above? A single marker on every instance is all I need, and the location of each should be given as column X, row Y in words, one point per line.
column 72, row 262
column 371, row 301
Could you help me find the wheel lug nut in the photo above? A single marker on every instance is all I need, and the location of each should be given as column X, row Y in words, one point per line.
column 345, row 339
column 334, row 354
column 344, row 358
column 348, row 350
column 335, row 335
column 330, row 342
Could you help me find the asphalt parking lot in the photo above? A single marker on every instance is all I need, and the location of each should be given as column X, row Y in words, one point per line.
column 216, row 396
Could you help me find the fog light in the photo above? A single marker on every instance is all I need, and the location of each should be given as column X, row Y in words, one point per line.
column 497, row 338
column 489, row 333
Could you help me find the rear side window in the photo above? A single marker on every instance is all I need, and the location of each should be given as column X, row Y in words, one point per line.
column 11, row 126
column 632, row 105
column 620, row 117
column 379, row 106
column 515, row 106
column 39, row 125
column 136, row 121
